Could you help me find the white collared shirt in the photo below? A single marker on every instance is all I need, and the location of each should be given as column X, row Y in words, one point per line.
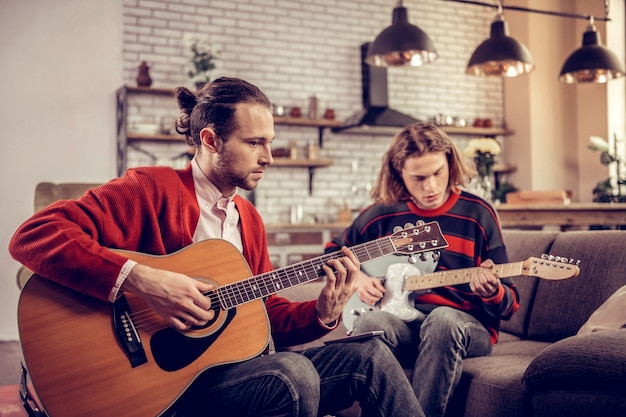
column 219, row 218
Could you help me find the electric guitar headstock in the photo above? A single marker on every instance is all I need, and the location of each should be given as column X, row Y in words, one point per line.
column 551, row 267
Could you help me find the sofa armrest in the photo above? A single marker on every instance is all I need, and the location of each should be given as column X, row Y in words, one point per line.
column 595, row 361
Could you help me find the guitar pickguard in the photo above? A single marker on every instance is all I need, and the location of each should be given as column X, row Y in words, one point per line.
column 173, row 350
column 397, row 300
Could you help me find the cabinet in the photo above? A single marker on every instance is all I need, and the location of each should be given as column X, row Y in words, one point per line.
column 126, row 138
column 289, row 244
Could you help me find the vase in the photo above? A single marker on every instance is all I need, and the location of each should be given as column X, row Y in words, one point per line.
column 484, row 187
column 143, row 77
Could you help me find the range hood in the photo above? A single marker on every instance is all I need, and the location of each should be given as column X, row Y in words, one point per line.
column 376, row 117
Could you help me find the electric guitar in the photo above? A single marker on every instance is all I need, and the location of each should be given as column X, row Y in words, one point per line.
column 403, row 278
column 91, row 358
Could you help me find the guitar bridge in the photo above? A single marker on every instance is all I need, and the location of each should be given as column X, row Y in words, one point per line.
column 127, row 334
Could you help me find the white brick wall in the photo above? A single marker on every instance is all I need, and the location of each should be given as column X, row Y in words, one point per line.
column 294, row 48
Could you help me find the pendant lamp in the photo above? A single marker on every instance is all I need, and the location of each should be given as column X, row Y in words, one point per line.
column 500, row 54
column 591, row 63
column 401, row 44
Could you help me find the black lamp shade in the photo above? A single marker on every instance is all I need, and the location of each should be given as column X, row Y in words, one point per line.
column 401, row 44
column 500, row 54
column 591, row 63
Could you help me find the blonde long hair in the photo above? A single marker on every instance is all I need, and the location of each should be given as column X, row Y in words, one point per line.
column 418, row 139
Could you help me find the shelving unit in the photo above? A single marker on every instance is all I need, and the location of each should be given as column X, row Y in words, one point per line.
column 126, row 138
column 311, row 164
column 123, row 136
column 450, row 130
column 320, row 124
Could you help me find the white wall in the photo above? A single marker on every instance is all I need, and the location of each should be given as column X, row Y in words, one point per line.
column 61, row 63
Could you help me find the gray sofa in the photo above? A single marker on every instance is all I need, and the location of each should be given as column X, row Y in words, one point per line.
column 541, row 367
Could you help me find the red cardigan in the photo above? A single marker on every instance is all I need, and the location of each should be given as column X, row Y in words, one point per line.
column 151, row 210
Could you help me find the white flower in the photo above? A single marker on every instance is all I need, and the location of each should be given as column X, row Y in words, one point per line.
column 482, row 145
column 598, row 144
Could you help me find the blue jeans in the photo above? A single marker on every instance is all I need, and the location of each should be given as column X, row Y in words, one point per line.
column 435, row 346
column 315, row 382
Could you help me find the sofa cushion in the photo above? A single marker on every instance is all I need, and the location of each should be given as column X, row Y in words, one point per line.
column 610, row 315
column 492, row 385
column 594, row 361
column 581, row 375
column 521, row 245
column 47, row 193
column 561, row 307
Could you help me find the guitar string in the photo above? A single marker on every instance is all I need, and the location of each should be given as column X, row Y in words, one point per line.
column 282, row 279
column 149, row 321
column 233, row 294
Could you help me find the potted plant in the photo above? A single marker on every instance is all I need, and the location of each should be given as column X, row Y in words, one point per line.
column 203, row 59
column 483, row 152
column 609, row 190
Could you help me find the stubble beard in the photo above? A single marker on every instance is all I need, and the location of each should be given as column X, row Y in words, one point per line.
column 229, row 176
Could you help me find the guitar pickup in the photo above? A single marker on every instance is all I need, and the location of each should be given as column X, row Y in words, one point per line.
column 127, row 334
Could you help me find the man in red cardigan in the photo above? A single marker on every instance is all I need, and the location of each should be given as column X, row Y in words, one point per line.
column 159, row 210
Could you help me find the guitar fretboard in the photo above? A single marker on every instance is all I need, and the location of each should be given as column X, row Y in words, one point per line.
column 458, row 276
column 272, row 282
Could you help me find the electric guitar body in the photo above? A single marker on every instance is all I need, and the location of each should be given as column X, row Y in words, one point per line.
column 403, row 279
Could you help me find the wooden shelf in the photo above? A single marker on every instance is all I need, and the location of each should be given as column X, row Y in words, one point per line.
column 306, row 122
column 157, row 137
column 311, row 164
column 450, row 130
column 149, row 90
column 126, row 138
column 299, row 163
column 476, row 131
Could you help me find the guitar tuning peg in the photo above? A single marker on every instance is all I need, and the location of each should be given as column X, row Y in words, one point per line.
column 557, row 259
column 544, row 256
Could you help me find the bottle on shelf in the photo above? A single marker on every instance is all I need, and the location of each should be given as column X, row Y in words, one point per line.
column 313, row 150
column 313, row 107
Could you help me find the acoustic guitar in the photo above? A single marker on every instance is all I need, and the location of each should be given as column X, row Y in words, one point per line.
column 89, row 358
column 402, row 279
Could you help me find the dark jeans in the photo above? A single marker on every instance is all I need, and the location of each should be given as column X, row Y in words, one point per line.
column 440, row 343
column 317, row 381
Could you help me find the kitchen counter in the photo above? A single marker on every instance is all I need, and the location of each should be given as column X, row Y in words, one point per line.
column 580, row 215
column 292, row 243
column 305, row 226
